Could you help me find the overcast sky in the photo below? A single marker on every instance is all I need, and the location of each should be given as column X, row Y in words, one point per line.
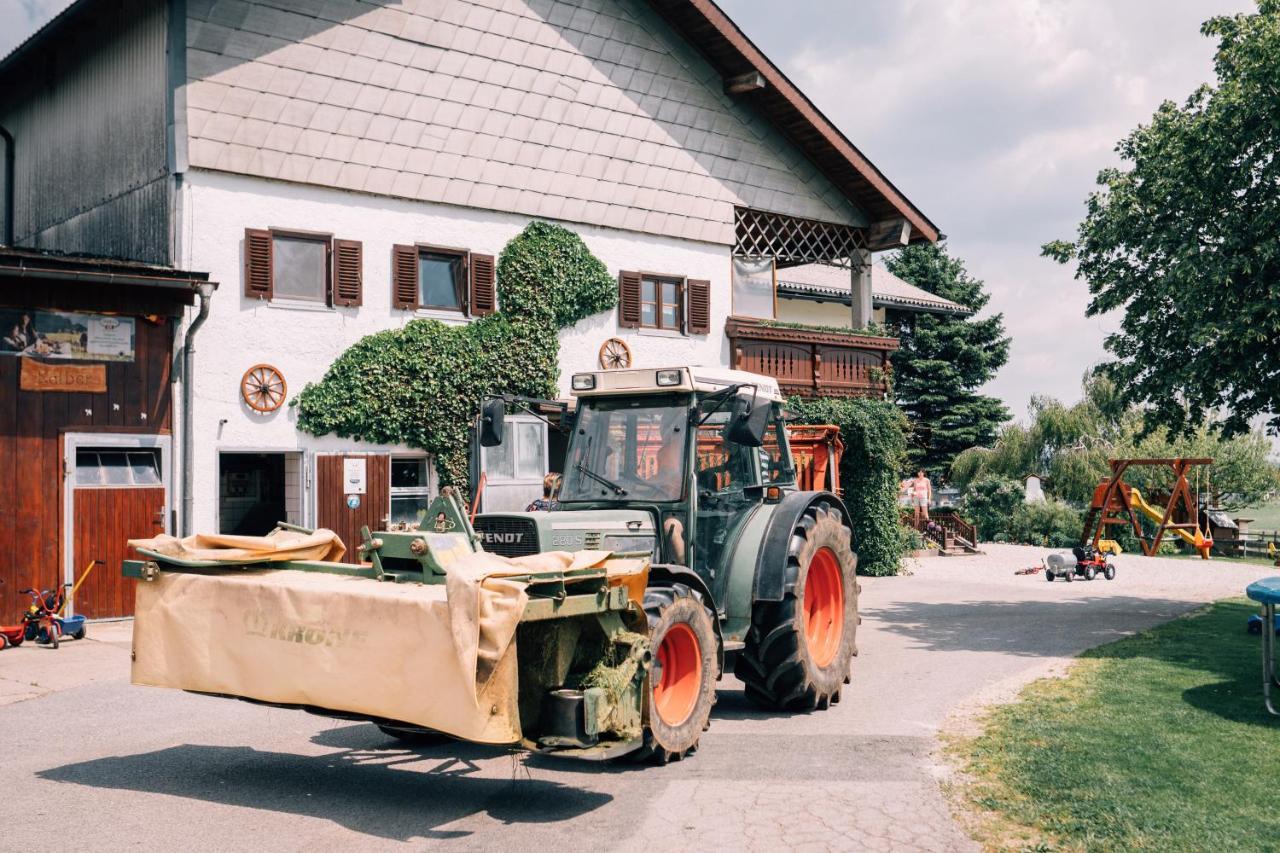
column 992, row 116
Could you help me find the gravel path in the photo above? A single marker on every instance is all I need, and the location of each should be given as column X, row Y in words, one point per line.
column 150, row 769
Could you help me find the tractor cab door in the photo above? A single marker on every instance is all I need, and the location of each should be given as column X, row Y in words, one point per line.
column 723, row 471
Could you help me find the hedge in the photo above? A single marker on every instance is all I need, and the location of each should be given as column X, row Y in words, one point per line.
column 874, row 433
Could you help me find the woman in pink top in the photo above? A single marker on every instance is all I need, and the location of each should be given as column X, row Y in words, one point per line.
column 921, row 495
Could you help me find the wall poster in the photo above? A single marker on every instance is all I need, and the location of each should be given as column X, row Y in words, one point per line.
column 66, row 335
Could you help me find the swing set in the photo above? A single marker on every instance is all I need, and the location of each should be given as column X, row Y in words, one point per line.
column 1116, row 502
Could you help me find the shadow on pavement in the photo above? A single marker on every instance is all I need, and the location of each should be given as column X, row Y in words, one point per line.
column 370, row 791
column 1024, row 628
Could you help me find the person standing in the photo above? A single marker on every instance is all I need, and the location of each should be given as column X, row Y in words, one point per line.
column 921, row 496
column 550, row 500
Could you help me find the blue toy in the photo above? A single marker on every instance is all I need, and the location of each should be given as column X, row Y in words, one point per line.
column 1255, row 624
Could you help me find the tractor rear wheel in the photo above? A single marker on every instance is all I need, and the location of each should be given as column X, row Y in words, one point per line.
column 682, row 684
column 798, row 649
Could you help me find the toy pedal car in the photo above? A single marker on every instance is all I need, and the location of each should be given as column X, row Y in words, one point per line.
column 11, row 635
column 1087, row 564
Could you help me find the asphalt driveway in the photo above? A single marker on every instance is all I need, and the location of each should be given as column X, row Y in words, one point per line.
column 106, row 766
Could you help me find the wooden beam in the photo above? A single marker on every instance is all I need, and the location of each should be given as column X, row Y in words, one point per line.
column 889, row 234
column 740, row 84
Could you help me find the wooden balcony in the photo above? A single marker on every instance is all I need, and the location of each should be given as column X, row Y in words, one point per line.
column 812, row 361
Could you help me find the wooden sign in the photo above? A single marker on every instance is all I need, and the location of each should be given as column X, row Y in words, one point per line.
column 77, row 378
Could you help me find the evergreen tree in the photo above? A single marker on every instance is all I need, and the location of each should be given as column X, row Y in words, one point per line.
column 943, row 360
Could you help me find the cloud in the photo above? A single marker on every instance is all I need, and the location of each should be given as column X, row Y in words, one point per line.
column 20, row 18
column 994, row 117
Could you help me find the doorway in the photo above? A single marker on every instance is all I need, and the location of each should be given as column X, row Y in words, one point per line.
column 116, row 490
column 257, row 490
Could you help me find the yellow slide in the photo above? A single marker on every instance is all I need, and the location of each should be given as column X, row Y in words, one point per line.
column 1195, row 540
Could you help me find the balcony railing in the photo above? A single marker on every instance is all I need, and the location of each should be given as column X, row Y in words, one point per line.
column 812, row 361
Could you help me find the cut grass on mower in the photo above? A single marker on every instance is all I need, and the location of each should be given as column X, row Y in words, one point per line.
column 1158, row 742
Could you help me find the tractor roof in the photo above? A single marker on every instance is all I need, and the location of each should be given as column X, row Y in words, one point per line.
column 646, row 381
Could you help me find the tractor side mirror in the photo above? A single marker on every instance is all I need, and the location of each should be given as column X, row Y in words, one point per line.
column 747, row 423
column 493, row 415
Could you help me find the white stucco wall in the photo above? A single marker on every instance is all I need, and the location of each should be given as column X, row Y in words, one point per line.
column 302, row 341
column 820, row 313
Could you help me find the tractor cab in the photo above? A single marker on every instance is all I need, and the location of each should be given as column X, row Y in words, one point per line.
column 669, row 462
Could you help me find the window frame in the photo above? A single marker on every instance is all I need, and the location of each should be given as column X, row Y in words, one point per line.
column 422, row 490
column 658, row 280
column 461, row 282
column 312, row 236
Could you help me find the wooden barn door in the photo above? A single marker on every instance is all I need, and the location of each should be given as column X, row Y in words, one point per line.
column 116, row 493
column 337, row 486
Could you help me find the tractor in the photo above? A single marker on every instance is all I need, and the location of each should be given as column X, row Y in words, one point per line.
column 682, row 547
column 691, row 468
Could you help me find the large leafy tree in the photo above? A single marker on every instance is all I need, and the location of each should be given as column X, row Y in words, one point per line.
column 943, row 360
column 1185, row 240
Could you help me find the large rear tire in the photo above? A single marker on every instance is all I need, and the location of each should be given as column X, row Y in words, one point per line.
column 797, row 650
column 681, row 687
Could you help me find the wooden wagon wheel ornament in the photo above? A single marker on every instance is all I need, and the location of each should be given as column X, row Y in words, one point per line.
column 614, row 354
column 263, row 388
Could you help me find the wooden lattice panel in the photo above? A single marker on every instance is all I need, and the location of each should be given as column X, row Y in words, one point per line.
column 793, row 240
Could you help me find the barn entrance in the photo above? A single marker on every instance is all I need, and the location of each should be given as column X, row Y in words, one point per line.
column 116, row 490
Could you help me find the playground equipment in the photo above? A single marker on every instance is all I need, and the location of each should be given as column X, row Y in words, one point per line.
column 1116, row 502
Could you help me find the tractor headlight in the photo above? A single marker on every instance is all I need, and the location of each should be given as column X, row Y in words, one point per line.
column 619, row 544
column 584, row 381
column 667, row 378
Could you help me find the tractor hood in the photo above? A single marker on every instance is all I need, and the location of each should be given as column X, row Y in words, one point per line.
column 513, row 534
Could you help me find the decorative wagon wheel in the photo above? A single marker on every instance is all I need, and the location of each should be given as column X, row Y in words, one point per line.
column 263, row 388
column 614, row 353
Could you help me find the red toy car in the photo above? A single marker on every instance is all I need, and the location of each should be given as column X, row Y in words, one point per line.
column 11, row 635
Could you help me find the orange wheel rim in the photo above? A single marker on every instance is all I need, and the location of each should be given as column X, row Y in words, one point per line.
column 824, row 607
column 680, row 657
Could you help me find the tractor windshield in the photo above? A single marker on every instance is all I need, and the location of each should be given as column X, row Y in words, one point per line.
column 628, row 449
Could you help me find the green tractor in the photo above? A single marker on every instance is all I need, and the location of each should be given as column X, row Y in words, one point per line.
column 691, row 468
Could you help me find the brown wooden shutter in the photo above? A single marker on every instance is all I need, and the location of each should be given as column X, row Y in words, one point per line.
column 257, row 263
column 483, row 292
column 699, row 306
column 629, row 299
column 348, row 272
column 404, row 276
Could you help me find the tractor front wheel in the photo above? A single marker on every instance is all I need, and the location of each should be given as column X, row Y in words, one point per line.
column 798, row 649
column 682, row 683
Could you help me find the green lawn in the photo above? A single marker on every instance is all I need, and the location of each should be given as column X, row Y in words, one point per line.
column 1265, row 516
column 1156, row 742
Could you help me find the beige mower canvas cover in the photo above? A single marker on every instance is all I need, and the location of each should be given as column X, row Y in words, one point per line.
column 439, row 656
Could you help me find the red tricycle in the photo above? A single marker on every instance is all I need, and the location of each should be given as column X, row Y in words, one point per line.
column 43, row 621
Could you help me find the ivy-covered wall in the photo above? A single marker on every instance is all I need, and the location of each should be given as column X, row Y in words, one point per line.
column 875, row 450
column 421, row 385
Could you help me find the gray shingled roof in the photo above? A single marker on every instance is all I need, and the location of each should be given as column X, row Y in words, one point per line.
column 580, row 110
column 819, row 281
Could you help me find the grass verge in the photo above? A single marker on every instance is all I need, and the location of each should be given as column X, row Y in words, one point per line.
column 1158, row 742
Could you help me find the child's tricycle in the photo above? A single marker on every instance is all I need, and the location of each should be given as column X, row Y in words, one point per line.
column 1087, row 564
column 43, row 621
column 11, row 635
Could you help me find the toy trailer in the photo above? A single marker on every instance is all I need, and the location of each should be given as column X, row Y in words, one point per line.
column 376, row 641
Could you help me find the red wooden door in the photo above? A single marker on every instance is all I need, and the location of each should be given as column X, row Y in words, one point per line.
column 104, row 520
column 332, row 508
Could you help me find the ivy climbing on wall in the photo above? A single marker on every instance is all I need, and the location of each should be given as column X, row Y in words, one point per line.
column 874, row 433
column 421, row 385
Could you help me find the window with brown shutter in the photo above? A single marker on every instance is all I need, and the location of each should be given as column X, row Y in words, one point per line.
column 348, row 272
column 629, row 299
column 699, row 316
column 404, row 276
column 483, row 286
column 257, row 263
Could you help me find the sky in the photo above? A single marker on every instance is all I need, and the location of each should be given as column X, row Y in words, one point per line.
column 992, row 116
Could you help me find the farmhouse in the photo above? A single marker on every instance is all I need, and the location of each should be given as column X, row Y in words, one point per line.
column 333, row 168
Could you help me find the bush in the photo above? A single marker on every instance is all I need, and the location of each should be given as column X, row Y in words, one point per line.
column 421, row 385
column 1049, row 523
column 875, row 450
column 989, row 505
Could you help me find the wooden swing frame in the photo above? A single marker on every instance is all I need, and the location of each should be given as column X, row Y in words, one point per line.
column 1115, row 506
